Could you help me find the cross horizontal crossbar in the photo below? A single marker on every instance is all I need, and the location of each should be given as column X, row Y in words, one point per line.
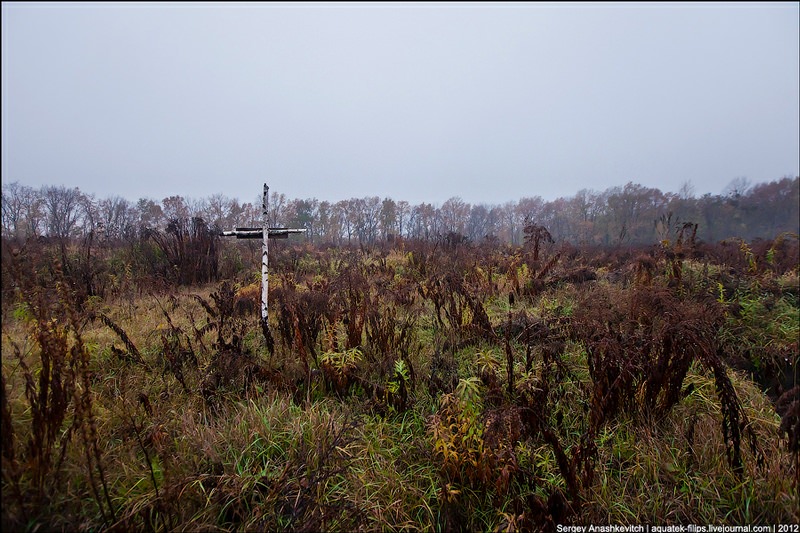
column 258, row 233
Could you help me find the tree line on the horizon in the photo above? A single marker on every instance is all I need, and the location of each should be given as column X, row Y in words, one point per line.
column 629, row 214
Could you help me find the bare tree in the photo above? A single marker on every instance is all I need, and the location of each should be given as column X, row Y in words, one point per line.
column 118, row 217
column 62, row 207
column 22, row 211
column 424, row 221
column 328, row 227
column 388, row 218
column 632, row 210
column 737, row 187
column 303, row 214
column 175, row 208
column 403, row 210
column 371, row 216
column 477, row 225
column 454, row 214
column 277, row 206
column 197, row 208
column 150, row 214
column 686, row 191
column 511, row 224
column 90, row 220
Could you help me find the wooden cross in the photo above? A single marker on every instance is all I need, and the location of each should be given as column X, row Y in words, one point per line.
column 265, row 233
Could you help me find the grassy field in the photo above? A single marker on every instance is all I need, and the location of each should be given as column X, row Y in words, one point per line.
column 409, row 387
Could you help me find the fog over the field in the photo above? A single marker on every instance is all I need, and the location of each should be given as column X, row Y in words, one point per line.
column 420, row 102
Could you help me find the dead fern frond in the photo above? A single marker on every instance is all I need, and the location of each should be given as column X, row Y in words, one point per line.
column 132, row 350
column 210, row 310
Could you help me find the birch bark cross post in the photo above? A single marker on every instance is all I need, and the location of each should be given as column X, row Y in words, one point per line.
column 265, row 233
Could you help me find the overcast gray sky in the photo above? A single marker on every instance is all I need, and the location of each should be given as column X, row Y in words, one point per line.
column 420, row 102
